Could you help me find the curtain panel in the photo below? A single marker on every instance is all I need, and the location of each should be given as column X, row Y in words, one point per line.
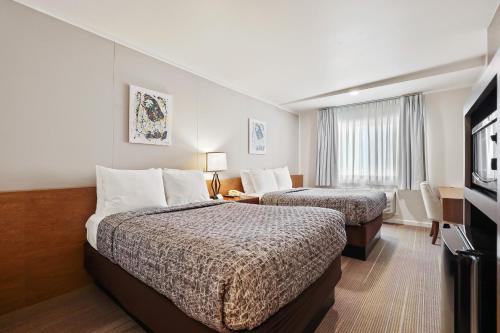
column 326, row 157
column 378, row 143
column 411, row 163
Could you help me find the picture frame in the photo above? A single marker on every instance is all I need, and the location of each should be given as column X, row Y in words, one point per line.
column 257, row 137
column 150, row 116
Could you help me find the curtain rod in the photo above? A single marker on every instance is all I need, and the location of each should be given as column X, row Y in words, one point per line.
column 372, row 101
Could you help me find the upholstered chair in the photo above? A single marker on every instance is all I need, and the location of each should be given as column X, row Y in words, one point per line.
column 433, row 208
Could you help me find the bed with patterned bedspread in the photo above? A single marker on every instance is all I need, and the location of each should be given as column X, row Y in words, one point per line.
column 229, row 266
column 358, row 206
column 363, row 211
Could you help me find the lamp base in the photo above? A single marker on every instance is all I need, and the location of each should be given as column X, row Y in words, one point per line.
column 216, row 187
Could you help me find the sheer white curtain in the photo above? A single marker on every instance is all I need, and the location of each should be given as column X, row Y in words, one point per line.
column 367, row 141
column 371, row 144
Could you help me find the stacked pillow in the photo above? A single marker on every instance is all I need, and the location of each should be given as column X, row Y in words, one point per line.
column 268, row 180
column 283, row 178
column 263, row 181
column 184, row 186
column 246, row 181
column 123, row 190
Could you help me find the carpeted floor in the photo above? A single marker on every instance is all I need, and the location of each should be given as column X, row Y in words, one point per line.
column 395, row 290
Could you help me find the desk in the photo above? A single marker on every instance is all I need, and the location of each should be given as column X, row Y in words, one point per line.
column 452, row 199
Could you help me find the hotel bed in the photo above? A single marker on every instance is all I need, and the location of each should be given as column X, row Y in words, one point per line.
column 219, row 266
column 362, row 209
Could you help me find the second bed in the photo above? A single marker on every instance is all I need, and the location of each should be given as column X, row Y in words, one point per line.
column 362, row 209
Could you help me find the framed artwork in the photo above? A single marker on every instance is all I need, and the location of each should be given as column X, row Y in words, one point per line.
column 257, row 136
column 150, row 117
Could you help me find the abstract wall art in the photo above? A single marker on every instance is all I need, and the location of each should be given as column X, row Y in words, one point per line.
column 150, row 117
column 257, row 136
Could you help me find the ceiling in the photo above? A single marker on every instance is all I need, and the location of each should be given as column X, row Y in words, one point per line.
column 287, row 50
column 442, row 82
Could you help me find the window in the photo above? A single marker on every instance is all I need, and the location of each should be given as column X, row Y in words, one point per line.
column 378, row 143
column 367, row 141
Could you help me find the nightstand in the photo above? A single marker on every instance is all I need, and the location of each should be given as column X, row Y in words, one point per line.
column 248, row 200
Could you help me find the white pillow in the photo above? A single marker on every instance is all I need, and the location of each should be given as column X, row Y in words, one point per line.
column 263, row 181
column 184, row 186
column 123, row 190
column 283, row 178
column 246, row 181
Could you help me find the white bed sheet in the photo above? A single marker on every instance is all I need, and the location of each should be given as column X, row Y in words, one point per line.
column 92, row 225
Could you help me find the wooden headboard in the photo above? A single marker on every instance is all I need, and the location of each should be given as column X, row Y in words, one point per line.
column 41, row 242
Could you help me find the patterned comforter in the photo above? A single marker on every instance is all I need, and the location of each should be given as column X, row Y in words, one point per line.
column 358, row 206
column 228, row 265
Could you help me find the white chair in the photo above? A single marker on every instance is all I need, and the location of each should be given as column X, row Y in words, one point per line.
column 433, row 208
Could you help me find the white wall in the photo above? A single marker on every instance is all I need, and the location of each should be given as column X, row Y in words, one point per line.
column 444, row 147
column 64, row 94
column 445, row 137
column 307, row 146
column 494, row 35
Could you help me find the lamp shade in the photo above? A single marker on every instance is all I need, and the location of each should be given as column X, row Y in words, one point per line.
column 216, row 162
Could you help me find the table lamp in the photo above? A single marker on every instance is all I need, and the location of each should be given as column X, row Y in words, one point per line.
column 216, row 161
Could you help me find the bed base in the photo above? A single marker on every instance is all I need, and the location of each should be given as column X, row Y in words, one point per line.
column 362, row 238
column 157, row 313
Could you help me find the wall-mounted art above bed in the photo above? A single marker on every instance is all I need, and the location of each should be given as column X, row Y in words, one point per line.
column 150, row 117
column 257, row 136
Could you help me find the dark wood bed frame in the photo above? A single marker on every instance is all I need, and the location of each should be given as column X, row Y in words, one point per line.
column 361, row 239
column 157, row 313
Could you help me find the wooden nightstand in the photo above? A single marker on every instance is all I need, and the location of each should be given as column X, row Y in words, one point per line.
column 249, row 200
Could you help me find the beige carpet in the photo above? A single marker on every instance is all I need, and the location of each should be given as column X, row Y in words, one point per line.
column 395, row 290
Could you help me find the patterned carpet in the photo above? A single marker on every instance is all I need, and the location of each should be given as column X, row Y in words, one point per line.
column 395, row 290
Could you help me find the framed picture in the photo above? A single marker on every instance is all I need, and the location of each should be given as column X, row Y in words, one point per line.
column 150, row 117
column 257, row 136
